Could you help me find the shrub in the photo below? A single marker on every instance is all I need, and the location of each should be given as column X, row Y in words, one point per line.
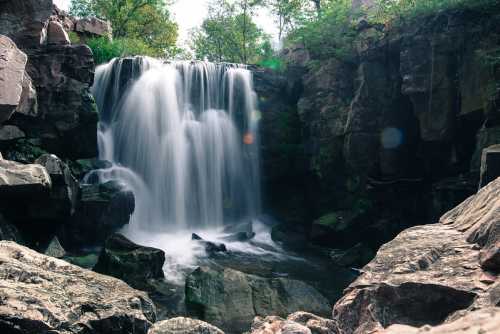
column 104, row 49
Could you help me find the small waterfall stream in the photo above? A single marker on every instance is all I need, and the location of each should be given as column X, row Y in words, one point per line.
column 184, row 137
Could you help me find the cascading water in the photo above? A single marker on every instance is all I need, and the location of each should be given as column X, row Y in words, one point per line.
column 184, row 137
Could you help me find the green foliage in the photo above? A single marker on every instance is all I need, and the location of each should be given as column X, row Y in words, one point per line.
column 104, row 50
column 229, row 34
column 328, row 220
column 143, row 22
column 401, row 11
column 327, row 33
column 73, row 37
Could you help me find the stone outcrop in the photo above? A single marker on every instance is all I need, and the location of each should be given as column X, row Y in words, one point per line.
column 85, row 301
column 490, row 165
column 17, row 180
column 230, row 299
column 183, row 326
column 130, row 262
column 102, row 209
column 430, row 274
column 12, row 75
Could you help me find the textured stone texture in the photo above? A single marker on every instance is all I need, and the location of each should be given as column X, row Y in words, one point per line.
column 183, row 326
column 230, row 299
column 23, row 180
column 12, row 65
column 41, row 294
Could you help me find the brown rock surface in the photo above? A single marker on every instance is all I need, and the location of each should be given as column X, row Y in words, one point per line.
column 41, row 294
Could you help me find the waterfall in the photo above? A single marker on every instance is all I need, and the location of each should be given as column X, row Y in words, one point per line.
column 184, row 137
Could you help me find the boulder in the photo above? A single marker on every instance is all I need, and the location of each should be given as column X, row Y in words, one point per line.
column 485, row 321
column 41, row 294
column 102, row 210
column 490, row 165
column 296, row 323
column 429, row 273
column 92, row 26
column 183, row 326
column 56, row 34
column 82, row 167
column 134, row 264
column 12, row 66
column 19, row 180
column 230, row 299
column 29, row 102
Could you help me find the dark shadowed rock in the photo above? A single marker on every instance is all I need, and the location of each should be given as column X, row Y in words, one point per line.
column 209, row 246
column 130, row 262
column 86, row 301
column 9, row 232
column 102, row 210
column 230, row 299
column 183, row 326
column 81, row 167
column 490, row 165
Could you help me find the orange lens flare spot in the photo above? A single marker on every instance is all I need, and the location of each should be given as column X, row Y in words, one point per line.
column 248, row 139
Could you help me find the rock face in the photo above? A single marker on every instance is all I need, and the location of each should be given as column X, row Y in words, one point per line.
column 130, row 262
column 490, row 165
column 429, row 274
column 230, row 299
column 183, row 326
column 86, row 301
column 102, row 209
column 12, row 66
column 23, row 180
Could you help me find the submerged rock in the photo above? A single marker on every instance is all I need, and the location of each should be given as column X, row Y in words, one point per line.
column 183, row 326
column 230, row 299
column 135, row 264
column 41, row 294
column 209, row 246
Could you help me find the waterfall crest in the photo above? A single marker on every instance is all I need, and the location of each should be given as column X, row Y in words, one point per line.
column 184, row 137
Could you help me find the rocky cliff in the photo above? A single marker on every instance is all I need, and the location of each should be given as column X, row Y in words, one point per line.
column 386, row 138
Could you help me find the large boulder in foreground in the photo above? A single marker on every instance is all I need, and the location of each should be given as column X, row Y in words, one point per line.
column 183, row 326
column 41, row 294
column 130, row 262
column 230, row 299
column 429, row 274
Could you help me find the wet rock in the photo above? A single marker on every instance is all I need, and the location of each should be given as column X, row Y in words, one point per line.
column 56, row 34
column 490, row 165
column 210, row 247
column 12, row 67
column 55, row 249
column 239, row 236
column 76, row 299
column 290, row 236
column 183, row 326
column 134, row 264
column 337, row 229
column 486, row 321
column 230, row 299
column 102, row 210
column 17, row 180
column 356, row 256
